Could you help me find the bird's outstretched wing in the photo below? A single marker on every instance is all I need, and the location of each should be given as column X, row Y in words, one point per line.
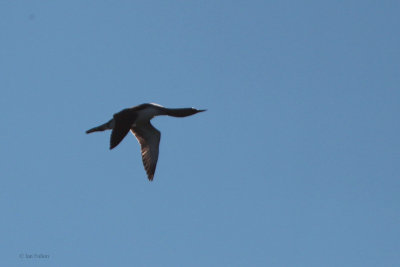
column 149, row 140
column 123, row 121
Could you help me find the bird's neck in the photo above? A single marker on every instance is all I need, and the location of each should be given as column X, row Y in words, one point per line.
column 180, row 112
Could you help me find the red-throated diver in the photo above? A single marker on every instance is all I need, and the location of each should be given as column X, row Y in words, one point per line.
column 137, row 120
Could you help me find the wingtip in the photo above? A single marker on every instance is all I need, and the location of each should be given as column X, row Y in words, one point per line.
column 112, row 146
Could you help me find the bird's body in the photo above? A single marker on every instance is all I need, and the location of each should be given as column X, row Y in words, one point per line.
column 137, row 120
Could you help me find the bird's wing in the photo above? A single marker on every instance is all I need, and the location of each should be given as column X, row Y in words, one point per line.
column 123, row 121
column 149, row 140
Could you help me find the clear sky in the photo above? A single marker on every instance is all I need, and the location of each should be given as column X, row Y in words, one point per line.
column 295, row 163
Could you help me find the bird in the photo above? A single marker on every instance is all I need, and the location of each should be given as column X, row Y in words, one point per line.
column 137, row 120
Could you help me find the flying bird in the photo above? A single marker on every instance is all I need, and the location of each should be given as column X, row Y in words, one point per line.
column 137, row 120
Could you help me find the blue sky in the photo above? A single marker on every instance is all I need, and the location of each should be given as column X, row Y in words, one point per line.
column 295, row 163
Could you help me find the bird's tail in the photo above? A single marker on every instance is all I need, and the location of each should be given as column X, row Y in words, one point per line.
column 106, row 126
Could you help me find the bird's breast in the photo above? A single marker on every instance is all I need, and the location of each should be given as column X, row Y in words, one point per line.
column 146, row 114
